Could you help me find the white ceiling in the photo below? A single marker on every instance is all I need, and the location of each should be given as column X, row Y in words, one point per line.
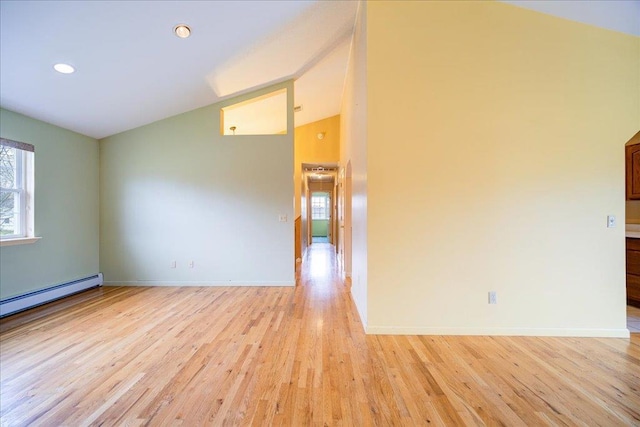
column 132, row 70
column 617, row 15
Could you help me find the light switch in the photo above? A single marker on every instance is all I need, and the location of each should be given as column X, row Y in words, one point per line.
column 282, row 218
column 611, row 221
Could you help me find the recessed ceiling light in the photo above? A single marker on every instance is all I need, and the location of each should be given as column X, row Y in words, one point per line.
column 64, row 68
column 182, row 31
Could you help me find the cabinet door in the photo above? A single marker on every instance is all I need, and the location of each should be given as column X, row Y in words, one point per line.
column 632, row 165
column 633, row 289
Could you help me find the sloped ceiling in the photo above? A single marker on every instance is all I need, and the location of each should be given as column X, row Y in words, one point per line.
column 617, row 15
column 132, row 70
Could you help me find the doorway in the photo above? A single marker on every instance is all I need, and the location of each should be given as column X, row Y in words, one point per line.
column 320, row 217
column 323, row 209
column 318, row 205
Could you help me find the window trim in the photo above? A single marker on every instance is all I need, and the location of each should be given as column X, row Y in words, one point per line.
column 24, row 183
column 19, row 241
column 19, row 190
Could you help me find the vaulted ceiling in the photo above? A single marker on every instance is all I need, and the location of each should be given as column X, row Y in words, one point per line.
column 131, row 69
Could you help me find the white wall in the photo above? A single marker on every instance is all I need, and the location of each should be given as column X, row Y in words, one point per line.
column 178, row 190
column 353, row 148
column 66, row 208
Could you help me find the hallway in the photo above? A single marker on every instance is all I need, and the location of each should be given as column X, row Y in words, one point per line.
column 292, row 356
column 319, row 266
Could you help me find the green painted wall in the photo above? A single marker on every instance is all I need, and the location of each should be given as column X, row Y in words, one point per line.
column 66, row 208
column 319, row 227
column 176, row 190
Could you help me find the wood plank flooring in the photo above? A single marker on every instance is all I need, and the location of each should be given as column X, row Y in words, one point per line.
column 299, row 357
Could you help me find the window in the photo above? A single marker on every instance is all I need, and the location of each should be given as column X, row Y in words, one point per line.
column 320, row 206
column 262, row 115
column 16, row 190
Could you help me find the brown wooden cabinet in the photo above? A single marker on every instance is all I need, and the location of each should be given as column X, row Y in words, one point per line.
column 633, row 271
column 632, row 164
column 632, row 167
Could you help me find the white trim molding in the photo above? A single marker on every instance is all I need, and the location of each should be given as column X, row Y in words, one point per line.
column 19, row 241
column 195, row 283
column 532, row 332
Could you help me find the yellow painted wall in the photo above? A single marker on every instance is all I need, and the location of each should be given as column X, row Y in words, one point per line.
column 310, row 149
column 495, row 152
column 353, row 163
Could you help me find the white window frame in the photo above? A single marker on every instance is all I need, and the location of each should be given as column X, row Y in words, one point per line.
column 24, row 191
column 320, row 211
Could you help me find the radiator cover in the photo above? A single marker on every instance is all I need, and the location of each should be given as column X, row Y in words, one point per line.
column 33, row 299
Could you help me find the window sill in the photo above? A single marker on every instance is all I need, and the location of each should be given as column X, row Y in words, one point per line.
column 19, row 241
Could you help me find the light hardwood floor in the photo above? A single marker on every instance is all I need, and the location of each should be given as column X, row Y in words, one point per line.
column 285, row 356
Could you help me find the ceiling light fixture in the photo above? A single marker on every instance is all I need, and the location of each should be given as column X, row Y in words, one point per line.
column 183, row 31
column 64, row 68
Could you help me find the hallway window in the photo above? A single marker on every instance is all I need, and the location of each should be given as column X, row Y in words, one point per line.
column 320, row 206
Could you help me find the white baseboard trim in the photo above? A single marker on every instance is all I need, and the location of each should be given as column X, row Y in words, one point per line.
column 195, row 283
column 32, row 299
column 361, row 314
column 534, row 332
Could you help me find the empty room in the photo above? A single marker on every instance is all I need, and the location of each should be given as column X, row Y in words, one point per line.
column 319, row 213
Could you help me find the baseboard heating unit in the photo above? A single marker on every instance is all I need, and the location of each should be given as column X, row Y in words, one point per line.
column 32, row 299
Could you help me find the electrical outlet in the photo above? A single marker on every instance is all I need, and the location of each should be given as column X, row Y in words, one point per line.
column 493, row 297
column 190, row 264
column 611, row 221
column 282, row 218
column 173, row 264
